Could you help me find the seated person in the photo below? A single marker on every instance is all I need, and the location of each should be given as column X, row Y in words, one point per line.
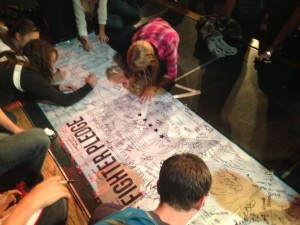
column 18, row 34
column 152, row 50
column 183, row 184
column 110, row 13
column 22, row 156
column 46, row 203
column 19, row 79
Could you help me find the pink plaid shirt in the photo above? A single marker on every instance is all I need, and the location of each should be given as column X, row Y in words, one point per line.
column 165, row 39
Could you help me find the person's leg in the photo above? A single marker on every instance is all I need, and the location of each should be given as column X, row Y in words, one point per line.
column 12, row 117
column 55, row 214
column 114, row 23
column 125, row 9
column 22, row 156
column 120, row 42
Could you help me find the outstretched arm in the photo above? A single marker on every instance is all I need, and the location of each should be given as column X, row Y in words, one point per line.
column 8, row 124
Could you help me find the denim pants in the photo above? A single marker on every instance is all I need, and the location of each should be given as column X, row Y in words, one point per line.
column 121, row 13
column 22, row 156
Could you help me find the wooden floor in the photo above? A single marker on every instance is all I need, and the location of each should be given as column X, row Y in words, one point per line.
column 50, row 168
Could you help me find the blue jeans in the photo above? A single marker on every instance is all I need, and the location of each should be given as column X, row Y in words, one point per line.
column 121, row 12
column 22, row 156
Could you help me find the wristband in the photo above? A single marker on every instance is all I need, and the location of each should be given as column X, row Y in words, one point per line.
column 269, row 53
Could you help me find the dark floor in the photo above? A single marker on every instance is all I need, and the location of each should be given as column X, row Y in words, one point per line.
column 234, row 100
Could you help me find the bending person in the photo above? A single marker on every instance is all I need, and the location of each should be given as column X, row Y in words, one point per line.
column 111, row 15
column 18, row 35
column 19, row 79
column 151, row 50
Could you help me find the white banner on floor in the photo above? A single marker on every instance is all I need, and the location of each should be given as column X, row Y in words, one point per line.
column 119, row 145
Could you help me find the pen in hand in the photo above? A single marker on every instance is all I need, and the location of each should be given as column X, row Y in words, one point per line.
column 67, row 181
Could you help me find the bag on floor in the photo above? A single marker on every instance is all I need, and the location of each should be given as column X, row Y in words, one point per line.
column 216, row 32
column 127, row 216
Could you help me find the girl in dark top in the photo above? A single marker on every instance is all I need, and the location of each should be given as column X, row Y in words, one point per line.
column 33, row 77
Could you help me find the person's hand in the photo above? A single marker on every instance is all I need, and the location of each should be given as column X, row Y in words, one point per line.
column 67, row 87
column 59, row 75
column 46, row 193
column 7, row 198
column 263, row 57
column 103, row 37
column 42, row 195
column 92, row 80
column 148, row 93
column 85, row 43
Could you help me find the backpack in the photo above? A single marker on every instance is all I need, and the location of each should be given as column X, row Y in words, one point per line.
column 128, row 216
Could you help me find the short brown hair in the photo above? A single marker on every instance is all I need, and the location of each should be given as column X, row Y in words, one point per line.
column 183, row 180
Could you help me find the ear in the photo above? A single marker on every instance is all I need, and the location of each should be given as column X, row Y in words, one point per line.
column 18, row 36
column 200, row 203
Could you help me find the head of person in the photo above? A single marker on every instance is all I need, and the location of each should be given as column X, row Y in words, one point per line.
column 140, row 56
column 184, row 182
column 41, row 56
column 22, row 31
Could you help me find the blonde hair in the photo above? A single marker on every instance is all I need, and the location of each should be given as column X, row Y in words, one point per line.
column 140, row 58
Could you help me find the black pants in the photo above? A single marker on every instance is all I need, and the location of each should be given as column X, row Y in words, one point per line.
column 55, row 214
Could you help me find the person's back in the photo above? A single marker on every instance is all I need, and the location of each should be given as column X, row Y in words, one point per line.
column 184, row 182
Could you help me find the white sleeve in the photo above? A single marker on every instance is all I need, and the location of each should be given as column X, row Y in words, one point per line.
column 102, row 12
column 80, row 18
column 4, row 47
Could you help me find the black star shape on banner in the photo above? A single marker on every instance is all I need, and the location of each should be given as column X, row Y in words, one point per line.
column 145, row 119
column 140, row 114
column 150, row 125
column 156, row 130
column 161, row 136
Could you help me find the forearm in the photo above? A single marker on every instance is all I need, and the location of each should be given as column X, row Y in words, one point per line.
column 101, row 29
column 8, row 124
column 286, row 31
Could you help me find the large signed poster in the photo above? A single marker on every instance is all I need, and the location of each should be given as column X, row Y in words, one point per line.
column 119, row 145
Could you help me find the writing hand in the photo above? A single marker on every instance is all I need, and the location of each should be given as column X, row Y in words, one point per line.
column 92, row 80
column 148, row 93
column 67, row 87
